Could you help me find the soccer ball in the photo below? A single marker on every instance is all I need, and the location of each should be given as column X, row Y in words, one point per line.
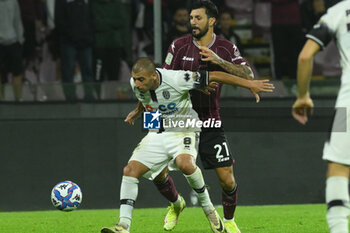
column 66, row 196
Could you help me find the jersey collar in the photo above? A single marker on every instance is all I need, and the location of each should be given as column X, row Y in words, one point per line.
column 160, row 77
column 211, row 43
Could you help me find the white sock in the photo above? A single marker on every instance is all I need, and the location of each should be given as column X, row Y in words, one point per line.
column 337, row 198
column 196, row 181
column 128, row 195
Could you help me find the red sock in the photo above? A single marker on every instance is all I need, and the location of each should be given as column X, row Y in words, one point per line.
column 168, row 189
column 229, row 202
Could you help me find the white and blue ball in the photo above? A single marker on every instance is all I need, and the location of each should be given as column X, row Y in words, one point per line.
column 66, row 196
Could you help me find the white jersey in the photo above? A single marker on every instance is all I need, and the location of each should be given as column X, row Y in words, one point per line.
column 337, row 21
column 172, row 98
column 336, row 24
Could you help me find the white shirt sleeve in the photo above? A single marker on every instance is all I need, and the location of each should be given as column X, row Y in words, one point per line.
column 183, row 80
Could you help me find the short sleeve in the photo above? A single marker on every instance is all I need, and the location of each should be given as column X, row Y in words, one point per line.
column 323, row 32
column 171, row 60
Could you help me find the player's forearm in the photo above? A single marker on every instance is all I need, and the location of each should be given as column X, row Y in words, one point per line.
column 238, row 70
column 139, row 108
column 229, row 79
column 304, row 73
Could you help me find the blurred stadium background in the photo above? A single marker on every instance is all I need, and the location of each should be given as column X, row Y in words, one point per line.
column 45, row 138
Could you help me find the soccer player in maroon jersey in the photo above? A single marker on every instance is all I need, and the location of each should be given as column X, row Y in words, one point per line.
column 203, row 50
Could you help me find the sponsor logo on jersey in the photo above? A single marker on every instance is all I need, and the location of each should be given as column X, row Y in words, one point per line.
column 185, row 58
column 151, row 120
column 164, row 109
column 166, row 94
column 168, row 59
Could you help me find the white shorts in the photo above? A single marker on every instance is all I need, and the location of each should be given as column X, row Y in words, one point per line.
column 158, row 150
column 337, row 148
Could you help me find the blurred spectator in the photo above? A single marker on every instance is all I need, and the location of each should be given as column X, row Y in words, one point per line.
column 109, row 21
column 52, row 38
column 287, row 36
column 179, row 26
column 73, row 21
column 144, row 26
column 224, row 28
column 11, row 40
column 311, row 12
column 32, row 16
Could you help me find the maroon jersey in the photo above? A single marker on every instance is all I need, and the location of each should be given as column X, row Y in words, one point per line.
column 183, row 54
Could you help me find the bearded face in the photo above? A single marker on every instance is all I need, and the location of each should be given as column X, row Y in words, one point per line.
column 199, row 32
column 199, row 23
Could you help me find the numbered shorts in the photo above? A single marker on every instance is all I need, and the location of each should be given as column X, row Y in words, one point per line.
column 214, row 150
column 337, row 147
column 158, row 150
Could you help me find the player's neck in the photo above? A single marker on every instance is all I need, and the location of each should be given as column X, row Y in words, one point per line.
column 206, row 39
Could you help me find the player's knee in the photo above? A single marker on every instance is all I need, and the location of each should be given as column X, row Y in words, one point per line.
column 128, row 170
column 228, row 184
column 227, row 181
column 161, row 177
column 186, row 164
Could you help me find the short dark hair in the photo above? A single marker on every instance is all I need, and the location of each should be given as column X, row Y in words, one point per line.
column 210, row 8
column 144, row 63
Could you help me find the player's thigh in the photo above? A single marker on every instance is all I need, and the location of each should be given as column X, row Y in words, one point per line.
column 151, row 153
column 135, row 169
column 184, row 144
column 214, row 149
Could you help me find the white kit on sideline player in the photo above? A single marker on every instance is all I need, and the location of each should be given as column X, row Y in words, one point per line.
column 157, row 89
column 335, row 24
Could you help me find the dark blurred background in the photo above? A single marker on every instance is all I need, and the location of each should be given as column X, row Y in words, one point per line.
column 82, row 50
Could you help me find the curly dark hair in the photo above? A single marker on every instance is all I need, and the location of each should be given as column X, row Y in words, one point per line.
column 210, row 8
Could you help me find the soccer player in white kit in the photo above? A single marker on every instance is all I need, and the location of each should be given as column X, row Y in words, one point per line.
column 334, row 24
column 167, row 92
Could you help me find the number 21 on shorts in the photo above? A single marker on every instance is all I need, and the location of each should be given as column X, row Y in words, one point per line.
column 219, row 148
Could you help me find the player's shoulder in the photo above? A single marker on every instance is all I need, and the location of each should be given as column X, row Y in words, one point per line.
column 165, row 75
column 223, row 42
column 182, row 41
column 336, row 12
column 339, row 7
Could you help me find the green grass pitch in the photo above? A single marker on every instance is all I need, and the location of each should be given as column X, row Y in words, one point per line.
column 250, row 219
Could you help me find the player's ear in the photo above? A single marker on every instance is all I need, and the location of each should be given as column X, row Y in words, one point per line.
column 154, row 75
column 212, row 21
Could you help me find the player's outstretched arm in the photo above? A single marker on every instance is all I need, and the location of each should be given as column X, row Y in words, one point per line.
column 134, row 114
column 255, row 86
column 304, row 105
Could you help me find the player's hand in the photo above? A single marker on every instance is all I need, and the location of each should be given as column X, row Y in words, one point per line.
column 209, row 55
column 301, row 108
column 260, row 86
column 210, row 88
column 132, row 116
